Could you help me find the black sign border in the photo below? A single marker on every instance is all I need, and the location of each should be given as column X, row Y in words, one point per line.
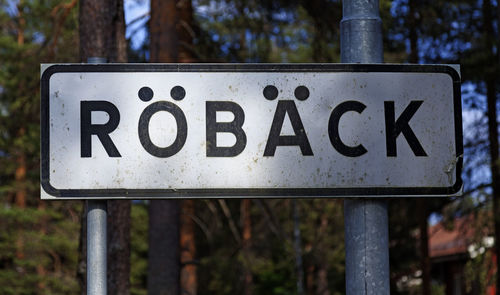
column 252, row 192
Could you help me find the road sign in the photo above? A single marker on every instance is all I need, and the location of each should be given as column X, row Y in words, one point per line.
column 195, row 130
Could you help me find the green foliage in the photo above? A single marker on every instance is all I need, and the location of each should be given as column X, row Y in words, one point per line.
column 479, row 271
column 274, row 276
column 478, row 274
column 38, row 241
column 268, row 31
column 438, row 289
column 32, row 239
column 272, row 258
column 27, row 38
column 139, row 248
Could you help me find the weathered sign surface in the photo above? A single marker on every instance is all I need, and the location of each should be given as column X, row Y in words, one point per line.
column 190, row 131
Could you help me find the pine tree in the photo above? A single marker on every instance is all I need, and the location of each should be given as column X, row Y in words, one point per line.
column 164, row 252
column 37, row 248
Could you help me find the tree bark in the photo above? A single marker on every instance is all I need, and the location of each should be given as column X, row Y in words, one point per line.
column 94, row 28
column 81, row 271
column 425, row 262
column 118, row 277
column 118, row 228
column 186, row 32
column 188, row 275
column 163, row 261
column 310, row 282
column 422, row 214
column 322, row 280
column 322, row 288
column 413, row 34
column 164, row 256
column 164, row 38
column 102, row 30
column 117, row 44
column 102, row 34
column 188, row 249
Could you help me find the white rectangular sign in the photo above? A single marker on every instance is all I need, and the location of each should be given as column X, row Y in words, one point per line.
column 189, row 131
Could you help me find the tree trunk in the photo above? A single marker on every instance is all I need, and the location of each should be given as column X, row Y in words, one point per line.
column 188, row 275
column 118, row 276
column 188, row 249
column 322, row 288
column 425, row 263
column 310, row 271
column 163, row 260
column 164, row 39
column 164, row 256
column 322, row 280
column 81, row 271
column 102, row 34
column 94, row 28
column 117, row 44
column 413, row 34
column 186, row 31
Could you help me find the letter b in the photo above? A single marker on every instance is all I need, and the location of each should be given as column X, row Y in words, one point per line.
column 234, row 127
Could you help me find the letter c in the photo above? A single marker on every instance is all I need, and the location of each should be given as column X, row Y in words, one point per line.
column 333, row 128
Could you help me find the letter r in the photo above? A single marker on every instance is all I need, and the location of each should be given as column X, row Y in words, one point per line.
column 87, row 129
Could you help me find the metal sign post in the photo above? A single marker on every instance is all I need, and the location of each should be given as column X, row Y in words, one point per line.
column 96, row 237
column 365, row 220
column 96, row 247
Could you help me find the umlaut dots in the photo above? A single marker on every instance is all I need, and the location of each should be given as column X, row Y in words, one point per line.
column 270, row 92
column 301, row 92
column 178, row 92
column 145, row 93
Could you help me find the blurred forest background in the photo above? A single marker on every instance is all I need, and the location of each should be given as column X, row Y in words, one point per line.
column 276, row 246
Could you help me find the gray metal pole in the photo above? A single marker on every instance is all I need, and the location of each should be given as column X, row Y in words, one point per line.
column 96, row 247
column 365, row 220
column 361, row 32
column 97, row 237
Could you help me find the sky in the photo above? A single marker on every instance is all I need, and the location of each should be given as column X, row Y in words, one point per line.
column 136, row 15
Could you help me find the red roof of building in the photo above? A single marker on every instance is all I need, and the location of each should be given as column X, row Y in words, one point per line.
column 445, row 242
